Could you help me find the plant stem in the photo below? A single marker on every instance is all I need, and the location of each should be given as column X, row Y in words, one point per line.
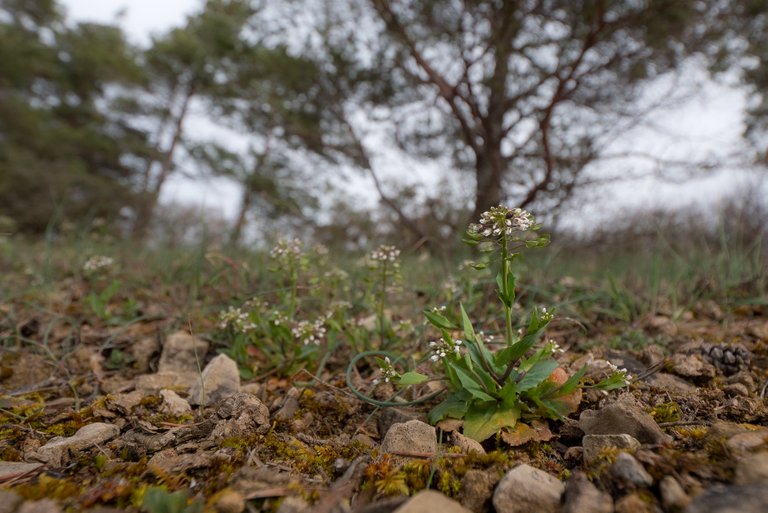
column 505, row 290
column 381, row 302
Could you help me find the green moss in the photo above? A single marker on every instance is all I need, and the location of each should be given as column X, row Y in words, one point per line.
column 667, row 412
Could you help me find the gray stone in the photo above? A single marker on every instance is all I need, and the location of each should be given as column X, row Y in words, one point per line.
column 220, row 379
column 594, row 444
column 477, row 489
column 389, row 416
column 467, row 445
column 731, row 499
column 244, row 414
column 290, row 405
column 634, row 503
column 173, row 404
column 525, row 489
column 429, row 501
column 142, row 351
column 171, row 462
column 413, row 436
column 12, row 469
column 736, row 390
column 182, row 353
column 671, row 383
column 41, row 506
column 673, row 497
column 293, row 504
column 749, row 441
column 9, row 501
column 692, row 366
column 55, row 451
column 630, row 471
column 752, row 469
column 581, row 496
column 177, row 381
column 622, row 417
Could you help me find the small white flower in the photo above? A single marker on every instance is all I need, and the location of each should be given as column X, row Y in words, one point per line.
column 97, row 263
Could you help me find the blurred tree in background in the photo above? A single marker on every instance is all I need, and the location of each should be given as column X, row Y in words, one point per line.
column 524, row 96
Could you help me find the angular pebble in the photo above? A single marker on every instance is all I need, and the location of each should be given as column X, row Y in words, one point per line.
column 630, row 471
column 182, row 353
column 220, row 379
column 413, row 436
column 86, row 437
column 173, row 404
column 430, row 501
column 752, row 469
column 731, row 499
column 525, row 489
column 673, row 497
column 581, row 496
column 622, row 417
column 594, row 444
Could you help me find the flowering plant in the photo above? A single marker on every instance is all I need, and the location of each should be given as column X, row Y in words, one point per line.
column 492, row 390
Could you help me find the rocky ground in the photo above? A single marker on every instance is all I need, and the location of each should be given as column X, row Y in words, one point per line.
column 177, row 430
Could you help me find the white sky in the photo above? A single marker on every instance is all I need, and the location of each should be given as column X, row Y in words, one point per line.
column 709, row 125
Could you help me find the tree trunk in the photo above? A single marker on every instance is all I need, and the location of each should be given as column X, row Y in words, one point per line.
column 148, row 205
column 489, row 174
column 245, row 205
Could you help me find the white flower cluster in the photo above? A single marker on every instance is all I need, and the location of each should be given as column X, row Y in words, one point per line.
column 504, row 220
column 441, row 349
column 545, row 314
column 278, row 318
column 385, row 253
column 625, row 376
column 554, row 347
column 97, row 263
column 309, row 332
column 236, row 319
column 286, row 248
column 388, row 372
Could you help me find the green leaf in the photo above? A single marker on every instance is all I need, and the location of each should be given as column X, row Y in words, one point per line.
column 486, row 419
column 572, row 383
column 439, row 321
column 454, row 407
column 412, row 378
column 472, row 386
column 538, row 373
column 469, row 331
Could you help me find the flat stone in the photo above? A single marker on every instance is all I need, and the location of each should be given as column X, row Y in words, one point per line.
column 173, row 404
column 731, row 499
column 86, row 437
column 182, row 353
column 633, row 503
column 413, row 436
column 736, row 390
column 125, row 403
column 692, row 366
column 746, row 442
column 429, row 501
column 752, row 469
column 594, row 444
column 673, row 497
column 9, row 501
column 466, row 444
column 630, row 471
column 581, row 496
column 41, row 506
column 477, row 489
column 671, row 383
column 171, row 462
column 622, row 417
column 244, row 414
column 177, row 381
column 526, row 489
column 389, row 416
column 12, row 469
column 220, row 379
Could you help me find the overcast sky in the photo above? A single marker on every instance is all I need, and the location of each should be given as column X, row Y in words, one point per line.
column 708, row 126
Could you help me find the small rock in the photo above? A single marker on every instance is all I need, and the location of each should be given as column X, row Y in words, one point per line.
column 173, row 404
column 12, row 469
column 671, row 383
column 743, row 377
column 41, row 506
column 182, row 353
column 290, row 405
column 143, row 350
column 244, row 414
column 171, row 462
column 622, row 417
column 125, row 403
column 731, row 499
column 736, row 390
column 749, row 441
column 630, row 471
column 389, row 416
column 525, row 489
column 220, row 379
column 594, row 444
column 692, row 366
column 652, row 354
column 178, row 381
column 293, row 504
column 9, row 501
column 429, row 501
column 581, row 496
column 413, row 436
column 86, row 437
column 673, row 497
column 229, row 501
column 477, row 489
column 633, row 503
column 752, row 469
column 467, row 445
